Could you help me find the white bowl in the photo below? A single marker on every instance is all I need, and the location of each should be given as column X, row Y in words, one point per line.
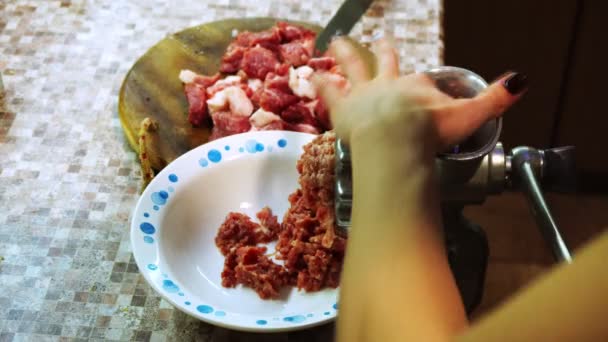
column 177, row 217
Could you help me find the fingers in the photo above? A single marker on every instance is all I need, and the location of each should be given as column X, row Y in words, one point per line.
column 386, row 59
column 422, row 78
column 331, row 93
column 349, row 59
column 326, row 87
column 463, row 116
column 424, row 87
column 498, row 97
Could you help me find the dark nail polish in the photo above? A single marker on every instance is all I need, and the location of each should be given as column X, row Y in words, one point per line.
column 516, row 83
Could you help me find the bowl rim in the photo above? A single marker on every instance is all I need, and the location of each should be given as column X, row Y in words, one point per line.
column 138, row 255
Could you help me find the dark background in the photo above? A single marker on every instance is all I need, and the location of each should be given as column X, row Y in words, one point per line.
column 562, row 46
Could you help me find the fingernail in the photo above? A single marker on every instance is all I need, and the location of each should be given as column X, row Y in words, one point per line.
column 516, row 83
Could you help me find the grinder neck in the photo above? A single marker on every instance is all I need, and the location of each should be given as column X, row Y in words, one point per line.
column 524, row 168
column 472, row 181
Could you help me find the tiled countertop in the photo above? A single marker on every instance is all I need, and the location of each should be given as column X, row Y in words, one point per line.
column 68, row 180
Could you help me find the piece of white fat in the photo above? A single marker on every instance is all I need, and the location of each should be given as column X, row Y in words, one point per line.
column 187, row 76
column 262, row 118
column 218, row 102
column 223, row 84
column 238, row 101
column 254, row 84
column 230, row 80
column 233, row 98
column 299, row 82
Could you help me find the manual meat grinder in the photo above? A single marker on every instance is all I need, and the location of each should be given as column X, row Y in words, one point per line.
column 479, row 167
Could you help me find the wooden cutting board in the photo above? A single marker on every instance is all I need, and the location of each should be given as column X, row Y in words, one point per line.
column 152, row 107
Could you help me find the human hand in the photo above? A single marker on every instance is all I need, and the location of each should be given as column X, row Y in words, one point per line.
column 392, row 105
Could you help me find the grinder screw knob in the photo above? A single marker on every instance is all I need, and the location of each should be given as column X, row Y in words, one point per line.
column 559, row 170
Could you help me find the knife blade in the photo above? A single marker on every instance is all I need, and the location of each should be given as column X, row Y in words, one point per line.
column 342, row 22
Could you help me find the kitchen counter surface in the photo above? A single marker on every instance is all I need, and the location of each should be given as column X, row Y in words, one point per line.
column 68, row 179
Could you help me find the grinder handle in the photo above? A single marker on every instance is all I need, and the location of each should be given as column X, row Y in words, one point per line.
column 527, row 164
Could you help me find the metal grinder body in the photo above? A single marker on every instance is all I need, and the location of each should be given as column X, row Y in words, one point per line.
column 468, row 174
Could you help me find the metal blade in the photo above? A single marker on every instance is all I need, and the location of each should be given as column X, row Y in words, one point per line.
column 342, row 22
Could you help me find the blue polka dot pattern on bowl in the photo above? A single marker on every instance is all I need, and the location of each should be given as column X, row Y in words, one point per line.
column 251, row 146
column 205, row 309
column 214, row 156
column 149, row 226
column 295, row 319
column 170, row 286
column 160, row 197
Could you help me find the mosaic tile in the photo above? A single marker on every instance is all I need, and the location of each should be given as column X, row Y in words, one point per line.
column 68, row 180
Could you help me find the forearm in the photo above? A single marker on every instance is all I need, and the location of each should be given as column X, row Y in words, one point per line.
column 568, row 304
column 397, row 284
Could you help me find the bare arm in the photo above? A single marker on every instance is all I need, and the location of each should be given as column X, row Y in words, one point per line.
column 568, row 304
column 396, row 282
